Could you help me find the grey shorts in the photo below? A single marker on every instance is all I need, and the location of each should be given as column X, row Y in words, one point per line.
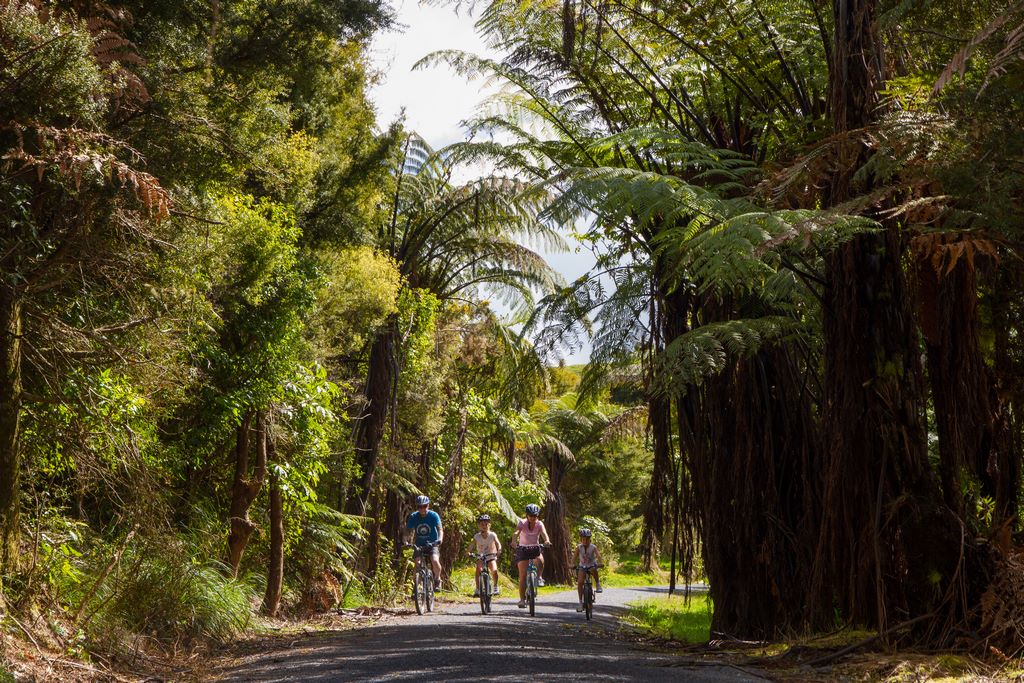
column 424, row 551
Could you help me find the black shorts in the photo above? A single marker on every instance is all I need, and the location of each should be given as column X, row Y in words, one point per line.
column 528, row 552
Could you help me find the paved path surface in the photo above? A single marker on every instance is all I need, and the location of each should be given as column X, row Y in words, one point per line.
column 458, row 644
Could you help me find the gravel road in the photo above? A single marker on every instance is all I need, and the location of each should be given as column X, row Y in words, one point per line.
column 458, row 643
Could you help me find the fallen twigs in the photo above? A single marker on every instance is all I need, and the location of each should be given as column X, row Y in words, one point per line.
column 831, row 657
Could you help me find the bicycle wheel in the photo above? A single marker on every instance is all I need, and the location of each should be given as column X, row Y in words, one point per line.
column 485, row 592
column 429, row 579
column 419, row 595
column 531, row 591
column 588, row 600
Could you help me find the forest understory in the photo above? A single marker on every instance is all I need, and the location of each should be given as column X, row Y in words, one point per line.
column 244, row 323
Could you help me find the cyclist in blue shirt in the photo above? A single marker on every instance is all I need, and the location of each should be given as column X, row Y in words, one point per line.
column 425, row 526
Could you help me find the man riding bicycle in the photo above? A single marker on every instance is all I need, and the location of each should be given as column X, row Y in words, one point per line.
column 425, row 525
column 528, row 539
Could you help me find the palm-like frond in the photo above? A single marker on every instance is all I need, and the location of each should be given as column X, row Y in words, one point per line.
column 459, row 240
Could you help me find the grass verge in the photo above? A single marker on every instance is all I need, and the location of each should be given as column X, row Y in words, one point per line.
column 673, row 618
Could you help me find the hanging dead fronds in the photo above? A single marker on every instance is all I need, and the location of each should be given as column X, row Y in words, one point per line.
column 77, row 155
column 1012, row 50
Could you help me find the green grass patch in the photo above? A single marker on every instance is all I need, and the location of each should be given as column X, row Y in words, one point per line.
column 463, row 581
column 626, row 572
column 673, row 618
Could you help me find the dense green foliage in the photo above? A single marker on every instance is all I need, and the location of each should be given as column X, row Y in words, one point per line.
column 242, row 326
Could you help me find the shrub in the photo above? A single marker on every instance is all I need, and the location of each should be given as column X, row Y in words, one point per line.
column 158, row 590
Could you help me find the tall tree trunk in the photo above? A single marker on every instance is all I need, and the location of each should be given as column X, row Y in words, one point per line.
column 557, row 560
column 246, row 486
column 454, row 474
column 670, row 311
column 753, row 482
column 275, row 565
column 659, row 411
column 1006, row 383
column 381, row 376
column 884, row 532
column 452, row 545
column 970, row 440
column 451, row 549
column 10, row 427
column 393, row 528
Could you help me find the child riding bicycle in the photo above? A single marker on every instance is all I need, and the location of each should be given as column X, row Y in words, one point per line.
column 587, row 557
column 487, row 546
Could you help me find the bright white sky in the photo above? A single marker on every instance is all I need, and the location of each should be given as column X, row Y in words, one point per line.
column 436, row 100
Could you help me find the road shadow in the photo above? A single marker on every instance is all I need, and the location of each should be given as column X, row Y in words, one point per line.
column 462, row 645
column 501, row 647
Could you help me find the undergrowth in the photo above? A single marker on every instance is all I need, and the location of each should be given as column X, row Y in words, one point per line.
column 673, row 618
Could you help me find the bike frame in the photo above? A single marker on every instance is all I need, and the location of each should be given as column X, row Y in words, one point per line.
column 425, row 573
column 531, row 585
column 588, row 588
column 483, row 580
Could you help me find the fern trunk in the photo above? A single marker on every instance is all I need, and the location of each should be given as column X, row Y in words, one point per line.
column 659, row 491
column 971, row 440
column 755, row 485
column 886, row 533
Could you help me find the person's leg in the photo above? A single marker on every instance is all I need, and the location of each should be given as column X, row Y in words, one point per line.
column 597, row 579
column 435, row 561
column 522, row 579
column 492, row 565
column 540, row 569
column 476, row 580
column 579, row 583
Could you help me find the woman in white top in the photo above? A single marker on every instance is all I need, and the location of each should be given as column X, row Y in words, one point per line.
column 487, row 543
column 530, row 537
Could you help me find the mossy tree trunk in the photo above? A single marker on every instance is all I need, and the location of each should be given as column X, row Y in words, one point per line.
column 10, row 424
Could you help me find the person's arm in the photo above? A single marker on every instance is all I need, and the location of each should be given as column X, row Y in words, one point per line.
column 515, row 537
column 497, row 544
column 544, row 533
column 440, row 531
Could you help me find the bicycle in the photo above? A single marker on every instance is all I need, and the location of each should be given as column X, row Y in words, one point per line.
column 588, row 588
column 423, row 578
column 532, row 583
column 483, row 582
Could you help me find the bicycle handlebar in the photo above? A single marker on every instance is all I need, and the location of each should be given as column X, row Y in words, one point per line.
column 432, row 544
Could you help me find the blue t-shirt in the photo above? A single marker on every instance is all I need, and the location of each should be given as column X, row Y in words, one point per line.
column 427, row 527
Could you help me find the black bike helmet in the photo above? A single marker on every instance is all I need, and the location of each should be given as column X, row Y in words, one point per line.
column 533, row 509
column 483, row 518
column 585, row 533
